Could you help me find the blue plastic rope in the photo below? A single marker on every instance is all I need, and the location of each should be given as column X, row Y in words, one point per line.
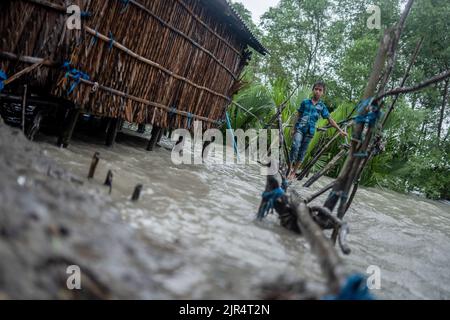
column 75, row 75
column 173, row 111
column 189, row 116
column 232, row 133
column 111, row 40
column 85, row 14
column 355, row 288
column 3, row 77
column 285, row 184
column 372, row 116
column 270, row 198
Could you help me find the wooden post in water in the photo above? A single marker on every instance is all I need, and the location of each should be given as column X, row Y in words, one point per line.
column 154, row 139
column 136, row 193
column 141, row 128
column 94, row 163
column 111, row 133
column 109, row 180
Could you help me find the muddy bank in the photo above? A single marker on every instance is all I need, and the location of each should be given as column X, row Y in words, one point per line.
column 50, row 219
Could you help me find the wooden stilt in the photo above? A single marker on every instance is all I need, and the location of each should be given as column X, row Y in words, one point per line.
column 154, row 139
column 111, row 133
column 24, row 105
column 121, row 124
column 68, row 127
column 141, row 128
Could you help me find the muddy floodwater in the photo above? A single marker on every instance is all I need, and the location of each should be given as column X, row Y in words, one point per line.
column 210, row 209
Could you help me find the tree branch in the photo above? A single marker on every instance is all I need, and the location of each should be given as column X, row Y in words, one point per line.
column 438, row 78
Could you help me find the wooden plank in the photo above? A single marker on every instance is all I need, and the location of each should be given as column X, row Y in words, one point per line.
column 111, row 133
column 23, row 72
column 154, row 139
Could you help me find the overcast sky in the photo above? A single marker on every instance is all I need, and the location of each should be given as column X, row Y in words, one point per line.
column 258, row 7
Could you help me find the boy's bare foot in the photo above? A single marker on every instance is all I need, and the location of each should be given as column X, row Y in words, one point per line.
column 291, row 176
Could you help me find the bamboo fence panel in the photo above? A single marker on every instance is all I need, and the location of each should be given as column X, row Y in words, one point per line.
column 172, row 53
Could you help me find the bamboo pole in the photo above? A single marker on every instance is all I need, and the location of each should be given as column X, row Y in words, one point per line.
column 29, row 60
column 152, row 63
column 146, row 102
column 320, row 192
column 23, row 72
column 327, row 168
column 437, row 78
column 329, row 261
column 48, row 4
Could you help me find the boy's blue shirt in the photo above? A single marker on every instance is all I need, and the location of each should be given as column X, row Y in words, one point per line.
column 309, row 115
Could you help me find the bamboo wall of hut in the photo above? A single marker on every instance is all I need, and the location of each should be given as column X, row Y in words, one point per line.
column 159, row 62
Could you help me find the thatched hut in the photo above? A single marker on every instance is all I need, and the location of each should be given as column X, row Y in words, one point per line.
column 160, row 62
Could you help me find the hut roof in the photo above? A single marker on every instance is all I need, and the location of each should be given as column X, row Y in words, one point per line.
column 229, row 16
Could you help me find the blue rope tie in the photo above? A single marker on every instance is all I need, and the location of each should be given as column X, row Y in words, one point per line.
column 173, row 111
column 284, row 184
column 3, row 77
column 355, row 288
column 85, row 14
column 371, row 117
column 75, row 75
column 229, row 127
column 269, row 198
column 189, row 116
column 111, row 40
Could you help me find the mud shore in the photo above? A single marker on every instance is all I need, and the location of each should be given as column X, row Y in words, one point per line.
column 50, row 221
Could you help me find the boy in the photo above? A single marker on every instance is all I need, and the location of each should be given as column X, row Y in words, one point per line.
column 305, row 126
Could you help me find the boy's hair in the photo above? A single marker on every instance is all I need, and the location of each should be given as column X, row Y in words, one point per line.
column 319, row 83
